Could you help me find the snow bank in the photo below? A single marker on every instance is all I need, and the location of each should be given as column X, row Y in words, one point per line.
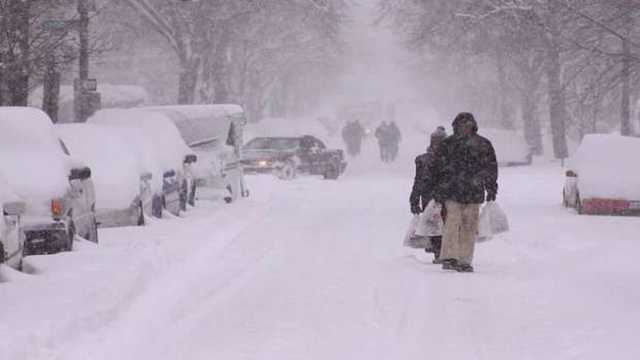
column 169, row 149
column 605, row 168
column 115, row 172
column 510, row 145
column 31, row 157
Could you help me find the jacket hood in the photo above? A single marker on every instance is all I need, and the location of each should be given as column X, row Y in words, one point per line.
column 461, row 119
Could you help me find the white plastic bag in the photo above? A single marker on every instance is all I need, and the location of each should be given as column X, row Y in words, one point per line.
column 414, row 240
column 493, row 221
column 484, row 226
column 432, row 219
column 498, row 218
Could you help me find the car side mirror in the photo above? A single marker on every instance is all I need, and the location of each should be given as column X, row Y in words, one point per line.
column 83, row 173
column 76, row 186
column 190, row 159
column 571, row 174
column 15, row 208
column 146, row 176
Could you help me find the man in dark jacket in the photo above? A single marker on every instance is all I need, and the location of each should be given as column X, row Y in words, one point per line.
column 422, row 191
column 464, row 170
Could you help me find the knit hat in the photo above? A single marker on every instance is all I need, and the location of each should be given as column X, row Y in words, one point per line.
column 438, row 135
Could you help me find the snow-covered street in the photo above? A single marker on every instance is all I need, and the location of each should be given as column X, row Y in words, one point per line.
column 314, row 269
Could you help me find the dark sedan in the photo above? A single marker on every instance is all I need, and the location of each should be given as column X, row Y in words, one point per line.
column 287, row 157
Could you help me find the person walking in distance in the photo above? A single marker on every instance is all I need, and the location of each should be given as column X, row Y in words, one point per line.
column 466, row 174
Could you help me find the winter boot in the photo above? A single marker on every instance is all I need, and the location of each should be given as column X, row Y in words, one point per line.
column 449, row 264
column 464, row 268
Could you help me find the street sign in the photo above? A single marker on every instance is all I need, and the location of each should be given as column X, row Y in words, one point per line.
column 58, row 25
column 86, row 85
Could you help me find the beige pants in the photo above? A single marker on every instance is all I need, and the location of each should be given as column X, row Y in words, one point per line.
column 460, row 231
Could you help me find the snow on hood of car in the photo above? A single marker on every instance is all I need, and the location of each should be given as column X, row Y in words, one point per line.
column 31, row 157
column 168, row 147
column 604, row 168
column 114, row 167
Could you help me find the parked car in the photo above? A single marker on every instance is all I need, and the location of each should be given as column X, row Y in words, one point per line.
column 57, row 190
column 289, row 156
column 123, row 186
column 214, row 133
column 510, row 145
column 600, row 179
column 11, row 233
column 166, row 155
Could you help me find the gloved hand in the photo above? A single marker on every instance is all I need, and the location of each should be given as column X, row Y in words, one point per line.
column 415, row 209
column 491, row 196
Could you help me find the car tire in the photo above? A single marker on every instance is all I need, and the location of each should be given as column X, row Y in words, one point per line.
column 192, row 194
column 332, row 172
column 3, row 256
column 93, row 232
column 184, row 195
column 229, row 199
column 72, row 236
column 565, row 202
column 288, row 171
column 140, row 209
column 579, row 205
column 156, row 206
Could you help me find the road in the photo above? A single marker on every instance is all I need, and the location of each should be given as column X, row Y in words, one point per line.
column 314, row 269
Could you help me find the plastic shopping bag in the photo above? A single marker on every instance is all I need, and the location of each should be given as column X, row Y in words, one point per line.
column 493, row 220
column 414, row 240
column 498, row 218
column 431, row 220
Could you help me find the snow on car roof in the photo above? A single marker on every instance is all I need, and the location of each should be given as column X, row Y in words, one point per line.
column 603, row 167
column 194, row 111
column 168, row 144
column 31, row 157
column 115, row 172
column 201, row 123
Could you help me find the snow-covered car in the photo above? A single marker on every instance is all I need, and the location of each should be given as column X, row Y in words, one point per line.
column 166, row 156
column 57, row 189
column 214, row 133
column 123, row 187
column 510, row 146
column 286, row 157
column 11, row 233
column 600, row 179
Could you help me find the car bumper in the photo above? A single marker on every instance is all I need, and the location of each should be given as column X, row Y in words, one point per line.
column 117, row 217
column 610, row 207
column 255, row 170
column 45, row 237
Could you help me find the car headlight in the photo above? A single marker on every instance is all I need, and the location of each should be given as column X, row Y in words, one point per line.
column 264, row 163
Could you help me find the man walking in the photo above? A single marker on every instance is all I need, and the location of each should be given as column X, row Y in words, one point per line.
column 466, row 169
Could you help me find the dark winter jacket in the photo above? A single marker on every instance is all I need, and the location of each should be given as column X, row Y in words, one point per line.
column 422, row 191
column 464, row 168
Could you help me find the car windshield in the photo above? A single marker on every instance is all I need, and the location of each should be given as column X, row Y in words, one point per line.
column 273, row 144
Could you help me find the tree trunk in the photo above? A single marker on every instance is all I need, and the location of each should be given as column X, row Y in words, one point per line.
column 51, row 89
column 625, row 124
column 506, row 111
column 188, row 81
column 532, row 128
column 557, row 103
